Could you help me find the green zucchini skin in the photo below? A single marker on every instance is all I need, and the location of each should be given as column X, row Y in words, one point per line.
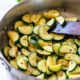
column 34, row 71
column 72, row 57
column 51, row 64
column 22, row 40
column 41, row 76
column 51, row 23
column 40, row 53
column 61, row 20
column 40, row 68
column 35, row 30
column 73, row 76
column 25, row 52
column 24, row 29
column 5, row 52
column 33, row 56
column 34, row 41
column 56, row 47
column 43, row 36
column 72, row 66
column 17, row 24
column 76, row 41
column 79, row 51
column 46, row 46
column 58, row 37
column 26, row 18
column 21, row 61
column 65, row 48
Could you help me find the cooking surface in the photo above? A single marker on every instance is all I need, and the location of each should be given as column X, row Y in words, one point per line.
column 5, row 5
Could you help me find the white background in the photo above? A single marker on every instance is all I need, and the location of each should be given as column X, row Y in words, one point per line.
column 5, row 5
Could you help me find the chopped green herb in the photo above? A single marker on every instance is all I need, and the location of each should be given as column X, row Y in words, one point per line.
column 19, row 0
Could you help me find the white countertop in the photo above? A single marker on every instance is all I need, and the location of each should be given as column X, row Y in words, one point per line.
column 5, row 5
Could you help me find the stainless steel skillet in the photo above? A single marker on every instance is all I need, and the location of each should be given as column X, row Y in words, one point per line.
column 68, row 9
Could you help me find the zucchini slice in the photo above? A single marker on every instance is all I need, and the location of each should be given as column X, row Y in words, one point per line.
column 11, row 43
column 51, row 23
column 42, row 53
column 13, row 63
column 42, row 21
column 31, row 47
column 49, row 72
column 33, row 37
column 26, row 18
column 51, row 66
column 49, row 47
column 41, row 76
column 22, row 63
column 34, row 71
column 44, row 34
column 56, row 47
column 13, row 52
column 24, row 41
column 42, row 65
column 55, row 68
column 61, row 20
column 55, row 57
column 72, row 57
column 13, row 35
column 64, row 49
column 36, row 18
column 18, row 24
column 58, row 37
column 33, row 59
column 77, row 42
column 72, row 66
column 65, row 63
column 42, row 43
column 51, row 14
column 35, row 30
column 69, row 40
column 18, row 45
column 6, row 51
column 61, row 75
column 79, row 51
column 71, row 19
column 75, row 71
column 49, row 62
column 53, row 77
column 71, row 43
column 74, row 76
column 25, row 52
column 25, row 29
column 35, row 43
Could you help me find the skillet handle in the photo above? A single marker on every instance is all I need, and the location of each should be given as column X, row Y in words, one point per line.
column 5, row 64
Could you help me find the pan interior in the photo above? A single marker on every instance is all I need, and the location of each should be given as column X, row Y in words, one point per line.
column 68, row 9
